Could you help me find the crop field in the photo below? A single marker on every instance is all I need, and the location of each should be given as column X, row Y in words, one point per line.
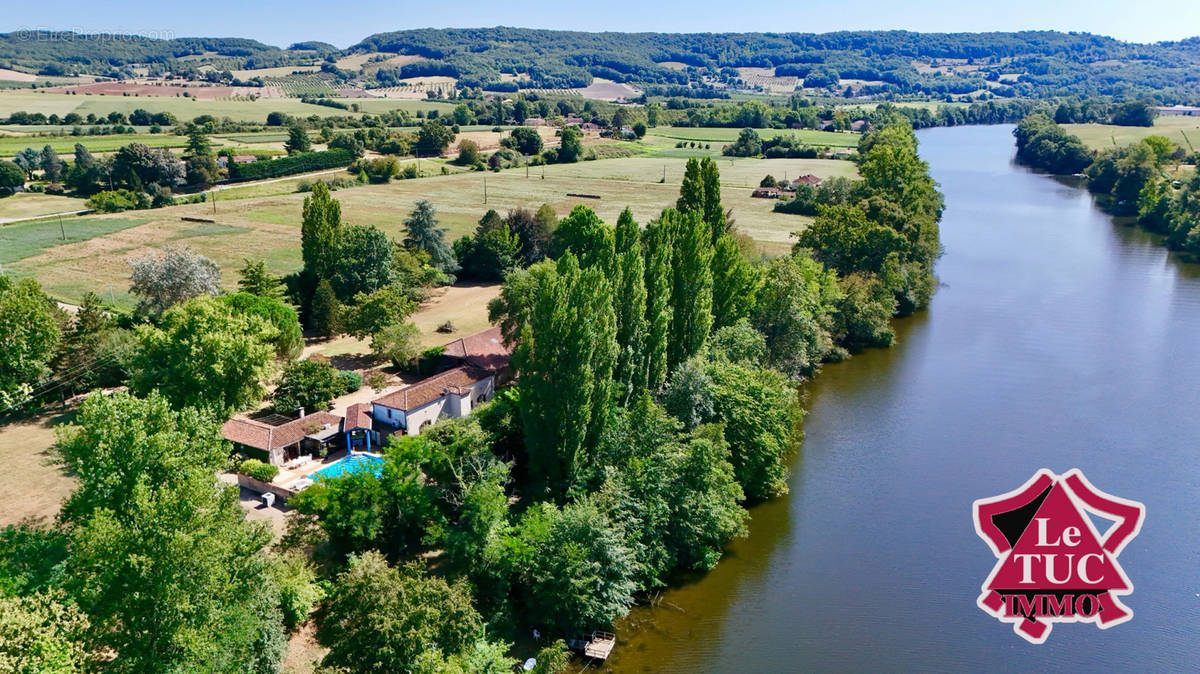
column 303, row 85
column 32, row 205
column 281, row 71
column 98, row 247
column 1183, row 131
column 728, row 135
column 188, row 108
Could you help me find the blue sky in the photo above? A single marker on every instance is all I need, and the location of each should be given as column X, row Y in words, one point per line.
column 295, row 20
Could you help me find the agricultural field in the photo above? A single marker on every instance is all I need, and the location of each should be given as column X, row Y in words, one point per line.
column 98, row 247
column 768, row 80
column 1183, row 131
column 281, row 71
column 188, row 108
column 303, row 85
column 607, row 90
column 728, row 135
column 10, row 145
column 24, row 205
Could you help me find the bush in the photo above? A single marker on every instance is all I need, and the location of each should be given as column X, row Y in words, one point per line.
column 351, row 381
column 116, row 201
column 263, row 472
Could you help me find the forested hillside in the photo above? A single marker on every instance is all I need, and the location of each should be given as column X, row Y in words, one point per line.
column 859, row 63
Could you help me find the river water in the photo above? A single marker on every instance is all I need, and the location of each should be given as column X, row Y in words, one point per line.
column 1057, row 340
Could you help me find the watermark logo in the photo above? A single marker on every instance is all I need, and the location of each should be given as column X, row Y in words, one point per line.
column 1054, row 566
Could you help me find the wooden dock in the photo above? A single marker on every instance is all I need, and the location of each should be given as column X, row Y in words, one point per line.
column 598, row 646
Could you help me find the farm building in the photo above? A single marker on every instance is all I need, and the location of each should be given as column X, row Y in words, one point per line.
column 765, row 193
column 858, row 125
column 806, row 179
column 571, row 119
column 535, row 121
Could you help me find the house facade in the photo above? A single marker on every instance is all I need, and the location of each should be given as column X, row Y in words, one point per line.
column 448, row 395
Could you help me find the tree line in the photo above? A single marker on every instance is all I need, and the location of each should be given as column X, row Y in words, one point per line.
column 1134, row 180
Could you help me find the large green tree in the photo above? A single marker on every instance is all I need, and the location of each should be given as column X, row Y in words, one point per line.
column 161, row 560
column 29, row 335
column 658, row 243
column 735, row 282
column 692, row 288
column 424, row 233
column 322, row 221
column 794, row 312
column 362, row 262
column 629, row 297
column 205, row 354
column 379, row 618
column 565, row 355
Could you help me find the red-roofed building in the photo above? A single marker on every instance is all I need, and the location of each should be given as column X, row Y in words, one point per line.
column 279, row 443
column 448, row 394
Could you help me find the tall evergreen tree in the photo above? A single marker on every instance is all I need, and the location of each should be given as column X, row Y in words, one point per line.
column 630, row 306
column 319, row 231
column 326, row 313
column 692, row 289
column 424, row 234
column 658, row 246
column 565, row 356
column 735, row 283
column 51, row 165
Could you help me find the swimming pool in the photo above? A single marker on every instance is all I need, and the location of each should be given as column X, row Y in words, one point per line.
column 355, row 463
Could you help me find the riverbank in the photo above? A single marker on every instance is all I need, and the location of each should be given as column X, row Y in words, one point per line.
column 1058, row 339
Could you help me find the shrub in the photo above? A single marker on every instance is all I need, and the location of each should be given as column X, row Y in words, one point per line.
column 116, row 201
column 351, row 381
column 263, row 472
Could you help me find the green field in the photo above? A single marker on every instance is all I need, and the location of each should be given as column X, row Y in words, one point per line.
column 1180, row 130
column 187, row 108
column 263, row 220
column 32, row 205
column 728, row 135
column 10, row 145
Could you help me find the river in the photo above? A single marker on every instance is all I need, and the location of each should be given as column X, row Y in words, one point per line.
column 1059, row 340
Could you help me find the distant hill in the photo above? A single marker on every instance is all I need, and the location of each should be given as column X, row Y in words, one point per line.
column 1032, row 64
column 67, row 53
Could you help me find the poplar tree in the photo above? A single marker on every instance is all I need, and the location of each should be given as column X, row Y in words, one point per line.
column 691, row 193
column 319, row 230
column 714, row 212
column 630, row 305
column 692, row 289
column 565, row 357
column 585, row 234
column 658, row 283
column 735, row 282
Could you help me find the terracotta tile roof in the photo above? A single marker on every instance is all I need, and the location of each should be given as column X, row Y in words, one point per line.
column 358, row 415
column 457, row 380
column 266, row 437
column 483, row 349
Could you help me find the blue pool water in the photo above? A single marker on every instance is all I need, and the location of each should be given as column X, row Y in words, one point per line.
column 355, row 463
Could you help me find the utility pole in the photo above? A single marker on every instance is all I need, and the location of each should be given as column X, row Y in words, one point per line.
column 214, row 201
column 62, row 229
column 485, row 189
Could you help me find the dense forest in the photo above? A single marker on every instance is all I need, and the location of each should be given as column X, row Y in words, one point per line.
column 1022, row 64
column 66, row 53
